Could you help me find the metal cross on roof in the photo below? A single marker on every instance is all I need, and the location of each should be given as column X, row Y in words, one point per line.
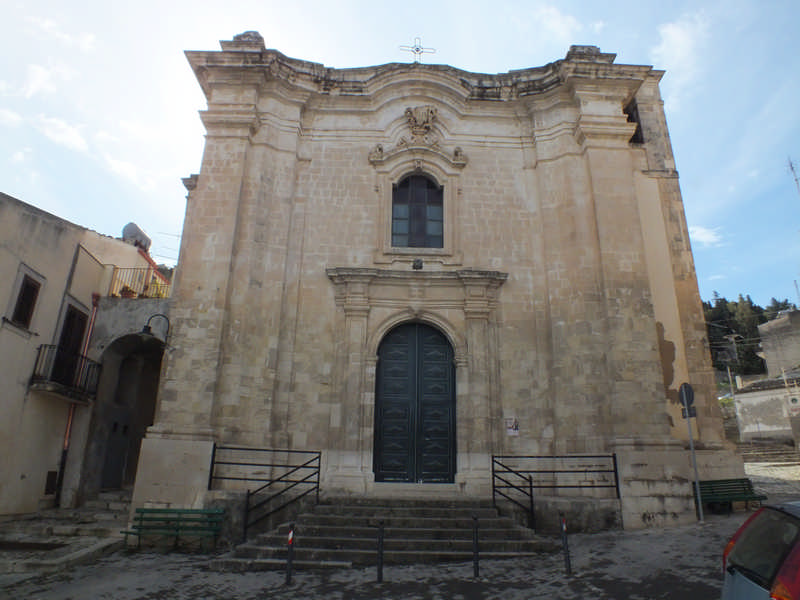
column 417, row 49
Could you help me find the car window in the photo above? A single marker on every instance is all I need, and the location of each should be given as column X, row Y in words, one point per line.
column 762, row 547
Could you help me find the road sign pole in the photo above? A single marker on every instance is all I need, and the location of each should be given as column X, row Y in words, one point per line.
column 687, row 399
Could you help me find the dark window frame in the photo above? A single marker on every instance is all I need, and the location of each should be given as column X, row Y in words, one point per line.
column 25, row 303
column 417, row 213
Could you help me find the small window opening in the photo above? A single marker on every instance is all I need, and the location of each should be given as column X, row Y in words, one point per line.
column 26, row 301
column 632, row 111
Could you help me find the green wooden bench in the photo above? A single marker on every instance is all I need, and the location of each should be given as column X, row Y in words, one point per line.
column 727, row 491
column 176, row 523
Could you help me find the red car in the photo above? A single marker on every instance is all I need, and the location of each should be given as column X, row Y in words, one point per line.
column 762, row 560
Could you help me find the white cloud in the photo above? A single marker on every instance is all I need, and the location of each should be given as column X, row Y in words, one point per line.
column 38, row 80
column 9, row 117
column 62, row 133
column 597, row 26
column 134, row 173
column 21, row 156
column 717, row 277
column 82, row 41
column 563, row 28
column 704, row 236
column 680, row 52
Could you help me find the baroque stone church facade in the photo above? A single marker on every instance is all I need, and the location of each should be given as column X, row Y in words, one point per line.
column 413, row 268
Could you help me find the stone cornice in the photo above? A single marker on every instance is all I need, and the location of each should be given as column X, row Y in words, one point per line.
column 492, row 279
column 232, row 122
column 359, row 289
column 248, row 61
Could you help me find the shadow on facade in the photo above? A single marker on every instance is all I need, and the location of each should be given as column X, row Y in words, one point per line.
column 124, row 409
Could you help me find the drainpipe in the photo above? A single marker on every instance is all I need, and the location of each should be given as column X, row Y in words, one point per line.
column 71, row 416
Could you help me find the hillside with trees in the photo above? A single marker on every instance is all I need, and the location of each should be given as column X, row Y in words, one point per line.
column 733, row 331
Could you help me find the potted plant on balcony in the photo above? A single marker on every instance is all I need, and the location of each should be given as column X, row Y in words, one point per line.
column 127, row 292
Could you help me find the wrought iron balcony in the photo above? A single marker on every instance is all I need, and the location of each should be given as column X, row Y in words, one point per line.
column 65, row 373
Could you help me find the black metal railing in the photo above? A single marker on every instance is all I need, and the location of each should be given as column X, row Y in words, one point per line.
column 74, row 373
column 515, row 477
column 514, row 486
column 286, row 477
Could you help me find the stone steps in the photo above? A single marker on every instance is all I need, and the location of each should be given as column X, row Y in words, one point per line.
column 104, row 516
column 58, row 538
column 777, row 453
column 343, row 533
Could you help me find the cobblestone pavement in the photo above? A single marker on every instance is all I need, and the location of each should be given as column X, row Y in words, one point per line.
column 681, row 563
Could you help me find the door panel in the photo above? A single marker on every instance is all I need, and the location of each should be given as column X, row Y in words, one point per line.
column 415, row 407
column 69, row 346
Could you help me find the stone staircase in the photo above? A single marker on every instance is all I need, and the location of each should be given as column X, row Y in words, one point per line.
column 766, row 452
column 344, row 533
column 55, row 538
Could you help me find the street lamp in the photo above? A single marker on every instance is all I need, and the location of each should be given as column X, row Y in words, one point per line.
column 147, row 330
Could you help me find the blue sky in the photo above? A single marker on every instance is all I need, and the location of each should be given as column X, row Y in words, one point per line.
column 98, row 106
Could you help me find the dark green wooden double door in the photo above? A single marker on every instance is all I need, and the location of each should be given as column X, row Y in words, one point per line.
column 415, row 407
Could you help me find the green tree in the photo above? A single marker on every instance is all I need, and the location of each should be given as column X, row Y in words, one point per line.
column 733, row 331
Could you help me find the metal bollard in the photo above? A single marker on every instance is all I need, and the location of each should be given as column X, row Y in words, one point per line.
column 289, row 554
column 380, row 551
column 565, row 543
column 475, row 546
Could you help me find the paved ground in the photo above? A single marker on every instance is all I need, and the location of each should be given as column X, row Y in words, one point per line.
column 675, row 564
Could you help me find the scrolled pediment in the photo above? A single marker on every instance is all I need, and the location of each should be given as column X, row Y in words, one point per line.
column 421, row 141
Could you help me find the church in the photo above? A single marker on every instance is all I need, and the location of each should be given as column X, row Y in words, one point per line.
column 413, row 269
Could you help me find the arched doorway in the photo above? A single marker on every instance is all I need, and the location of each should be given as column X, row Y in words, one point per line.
column 124, row 408
column 415, row 413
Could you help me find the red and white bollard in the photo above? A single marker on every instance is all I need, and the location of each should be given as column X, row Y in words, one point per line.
column 289, row 554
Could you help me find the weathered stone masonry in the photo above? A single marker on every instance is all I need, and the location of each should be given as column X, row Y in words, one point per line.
column 564, row 282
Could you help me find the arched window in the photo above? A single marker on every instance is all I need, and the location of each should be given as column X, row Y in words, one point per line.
column 417, row 216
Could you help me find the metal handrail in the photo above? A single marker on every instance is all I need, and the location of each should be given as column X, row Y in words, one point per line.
column 526, row 491
column 522, row 481
column 583, row 470
column 291, row 478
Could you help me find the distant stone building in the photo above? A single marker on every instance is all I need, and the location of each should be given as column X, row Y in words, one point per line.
column 765, row 409
column 73, row 406
column 780, row 342
column 413, row 268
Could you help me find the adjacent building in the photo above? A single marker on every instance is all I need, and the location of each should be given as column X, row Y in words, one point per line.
column 59, row 283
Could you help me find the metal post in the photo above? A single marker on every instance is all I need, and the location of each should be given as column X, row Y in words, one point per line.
column 696, row 476
column 246, row 515
column 380, row 551
column 565, row 544
column 290, row 554
column 475, row 546
column 213, row 458
column 494, row 502
column 687, row 399
column 531, row 514
column 319, row 468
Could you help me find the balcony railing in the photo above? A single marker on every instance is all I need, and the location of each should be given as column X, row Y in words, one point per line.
column 143, row 282
column 72, row 374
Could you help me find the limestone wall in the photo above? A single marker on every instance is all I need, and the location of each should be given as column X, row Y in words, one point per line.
column 565, row 283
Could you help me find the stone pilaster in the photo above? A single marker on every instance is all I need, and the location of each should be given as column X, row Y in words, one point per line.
column 636, row 399
column 346, row 465
column 183, row 428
